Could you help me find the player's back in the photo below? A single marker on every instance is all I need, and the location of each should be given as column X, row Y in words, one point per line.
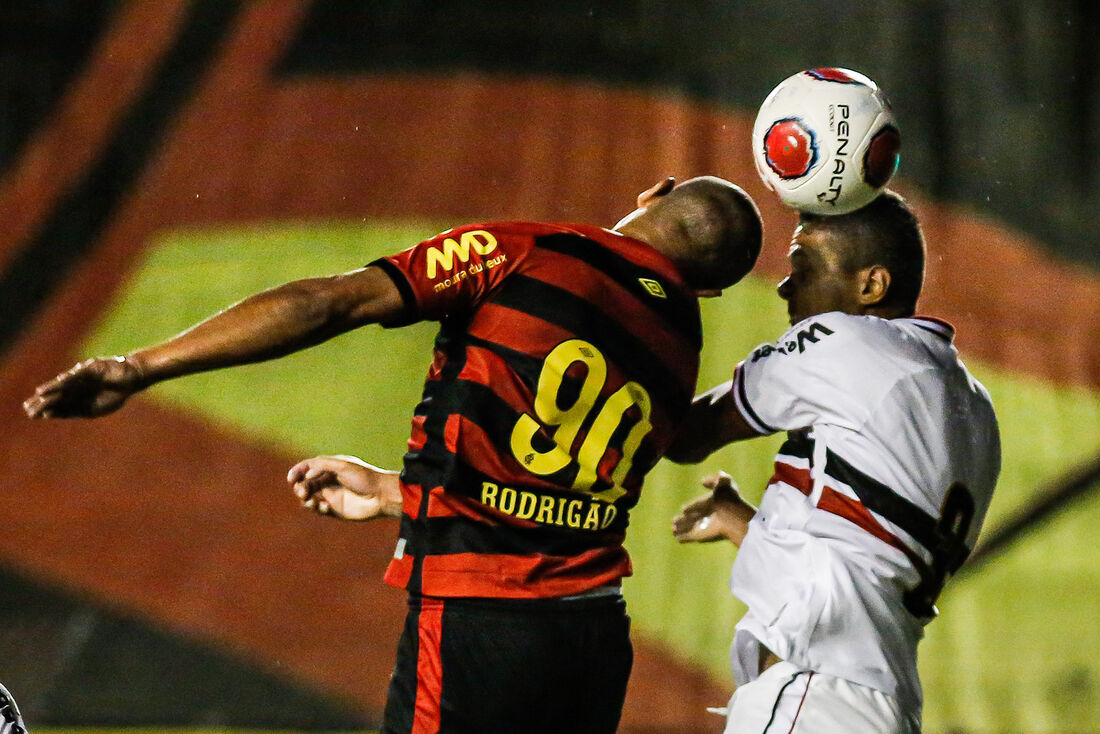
column 916, row 421
column 566, row 359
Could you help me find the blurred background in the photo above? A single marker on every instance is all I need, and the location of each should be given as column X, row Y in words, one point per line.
column 160, row 159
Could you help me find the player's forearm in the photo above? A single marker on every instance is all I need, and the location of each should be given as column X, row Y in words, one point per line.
column 264, row 326
column 691, row 445
column 713, row 421
column 701, row 433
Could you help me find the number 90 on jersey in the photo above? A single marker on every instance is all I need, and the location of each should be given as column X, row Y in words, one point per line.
column 567, row 422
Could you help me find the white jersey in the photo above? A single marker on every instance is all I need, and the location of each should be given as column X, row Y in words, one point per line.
column 878, row 494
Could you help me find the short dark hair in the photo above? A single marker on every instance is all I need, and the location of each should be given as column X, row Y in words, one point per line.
column 884, row 232
column 721, row 231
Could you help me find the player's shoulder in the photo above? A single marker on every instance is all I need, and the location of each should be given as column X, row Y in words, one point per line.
column 815, row 336
column 850, row 330
column 536, row 228
column 531, row 233
column 494, row 229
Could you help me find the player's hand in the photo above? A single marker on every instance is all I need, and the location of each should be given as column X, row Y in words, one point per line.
column 346, row 487
column 722, row 513
column 92, row 388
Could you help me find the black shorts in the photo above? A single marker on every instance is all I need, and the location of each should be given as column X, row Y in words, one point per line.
column 489, row 666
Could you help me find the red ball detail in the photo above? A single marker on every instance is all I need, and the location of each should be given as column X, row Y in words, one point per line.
column 881, row 159
column 830, row 74
column 789, row 148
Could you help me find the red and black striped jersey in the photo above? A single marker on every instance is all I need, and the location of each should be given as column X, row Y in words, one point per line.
column 566, row 359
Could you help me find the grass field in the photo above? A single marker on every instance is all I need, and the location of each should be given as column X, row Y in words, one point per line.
column 1016, row 649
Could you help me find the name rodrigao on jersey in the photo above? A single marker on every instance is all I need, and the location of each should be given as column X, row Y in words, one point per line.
column 577, row 513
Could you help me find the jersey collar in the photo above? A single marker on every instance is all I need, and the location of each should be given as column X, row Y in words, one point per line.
column 939, row 327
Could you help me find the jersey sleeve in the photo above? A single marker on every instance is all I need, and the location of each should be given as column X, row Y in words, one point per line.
column 453, row 272
column 810, row 375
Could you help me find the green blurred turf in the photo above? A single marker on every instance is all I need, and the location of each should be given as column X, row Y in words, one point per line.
column 1016, row 649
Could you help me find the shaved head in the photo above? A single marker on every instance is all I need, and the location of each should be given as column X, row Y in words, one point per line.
column 707, row 226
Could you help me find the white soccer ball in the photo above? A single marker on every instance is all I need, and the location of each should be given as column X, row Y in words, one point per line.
column 825, row 141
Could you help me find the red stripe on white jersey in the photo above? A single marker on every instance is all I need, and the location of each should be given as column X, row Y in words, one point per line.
column 853, row 511
column 797, row 477
column 838, row 504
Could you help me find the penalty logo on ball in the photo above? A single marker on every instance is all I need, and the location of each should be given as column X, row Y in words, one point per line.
column 790, row 148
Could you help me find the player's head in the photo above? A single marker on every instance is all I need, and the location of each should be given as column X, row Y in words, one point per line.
column 870, row 261
column 707, row 226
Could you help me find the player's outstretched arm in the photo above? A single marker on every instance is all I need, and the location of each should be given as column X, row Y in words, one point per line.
column 346, row 487
column 270, row 324
column 720, row 514
column 712, row 422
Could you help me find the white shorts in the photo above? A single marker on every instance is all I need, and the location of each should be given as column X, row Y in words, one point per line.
column 788, row 700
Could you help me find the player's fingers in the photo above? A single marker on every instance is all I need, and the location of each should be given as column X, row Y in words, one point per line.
column 58, row 382
column 317, row 480
column 32, row 407
column 698, row 531
column 319, row 472
column 298, row 471
column 698, row 506
column 315, row 503
column 41, row 406
column 690, row 512
column 686, row 520
column 309, row 468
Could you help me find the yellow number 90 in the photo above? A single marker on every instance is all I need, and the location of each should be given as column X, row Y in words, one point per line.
column 569, row 420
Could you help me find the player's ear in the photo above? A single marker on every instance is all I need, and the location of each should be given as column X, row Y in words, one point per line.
column 656, row 191
column 874, row 282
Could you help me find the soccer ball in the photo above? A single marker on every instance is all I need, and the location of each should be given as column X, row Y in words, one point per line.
column 825, row 141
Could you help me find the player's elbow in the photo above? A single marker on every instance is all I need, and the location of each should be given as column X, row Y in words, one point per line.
column 686, row 451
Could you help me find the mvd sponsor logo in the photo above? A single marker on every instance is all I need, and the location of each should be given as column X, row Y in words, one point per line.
column 452, row 253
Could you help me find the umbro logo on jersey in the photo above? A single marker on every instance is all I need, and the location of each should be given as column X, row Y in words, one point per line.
column 652, row 287
column 812, row 334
